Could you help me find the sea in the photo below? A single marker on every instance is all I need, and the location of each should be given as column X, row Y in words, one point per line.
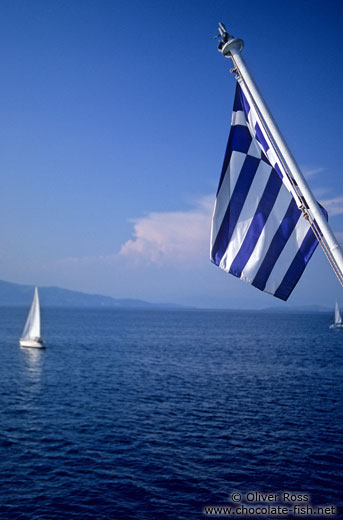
column 170, row 414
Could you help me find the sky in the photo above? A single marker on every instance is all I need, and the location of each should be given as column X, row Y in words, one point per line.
column 114, row 121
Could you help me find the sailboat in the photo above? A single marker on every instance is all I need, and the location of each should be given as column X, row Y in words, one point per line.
column 338, row 324
column 31, row 333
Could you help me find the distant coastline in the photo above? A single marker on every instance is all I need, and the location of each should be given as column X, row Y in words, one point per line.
column 15, row 294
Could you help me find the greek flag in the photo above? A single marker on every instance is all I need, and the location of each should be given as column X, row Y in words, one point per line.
column 258, row 232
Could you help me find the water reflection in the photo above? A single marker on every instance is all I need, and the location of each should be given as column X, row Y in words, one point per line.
column 33, row 358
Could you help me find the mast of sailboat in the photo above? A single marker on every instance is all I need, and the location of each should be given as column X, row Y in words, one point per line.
column 231, row 47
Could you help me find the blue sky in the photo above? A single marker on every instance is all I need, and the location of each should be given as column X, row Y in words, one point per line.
column 114, row 122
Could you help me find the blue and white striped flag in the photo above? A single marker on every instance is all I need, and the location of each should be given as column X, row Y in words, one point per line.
column 258, row 232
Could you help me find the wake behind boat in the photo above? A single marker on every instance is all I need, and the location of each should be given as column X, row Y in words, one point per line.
column 338, row 323
column 31, row 336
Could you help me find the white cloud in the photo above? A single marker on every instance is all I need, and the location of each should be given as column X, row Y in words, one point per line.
column 311, row 172
column 176, row 238
column 172, row 238
column 333, row 206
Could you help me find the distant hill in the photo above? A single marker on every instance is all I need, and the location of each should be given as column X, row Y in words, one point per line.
column 299, row 309
column 17, row 294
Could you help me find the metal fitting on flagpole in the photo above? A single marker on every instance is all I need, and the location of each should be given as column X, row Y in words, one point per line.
column 228, row 43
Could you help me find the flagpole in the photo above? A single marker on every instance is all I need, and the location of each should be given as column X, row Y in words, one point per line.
column 231, row 47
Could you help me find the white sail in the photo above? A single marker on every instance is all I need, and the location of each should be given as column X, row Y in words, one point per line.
column 338, row 317
column 32, row 325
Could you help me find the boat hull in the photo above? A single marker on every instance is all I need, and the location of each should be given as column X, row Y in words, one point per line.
column 31, row 343
column 337, row 326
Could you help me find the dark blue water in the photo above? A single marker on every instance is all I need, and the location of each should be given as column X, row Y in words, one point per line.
column 156, row 414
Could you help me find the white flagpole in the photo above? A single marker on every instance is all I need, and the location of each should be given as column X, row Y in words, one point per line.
column 231, row 47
